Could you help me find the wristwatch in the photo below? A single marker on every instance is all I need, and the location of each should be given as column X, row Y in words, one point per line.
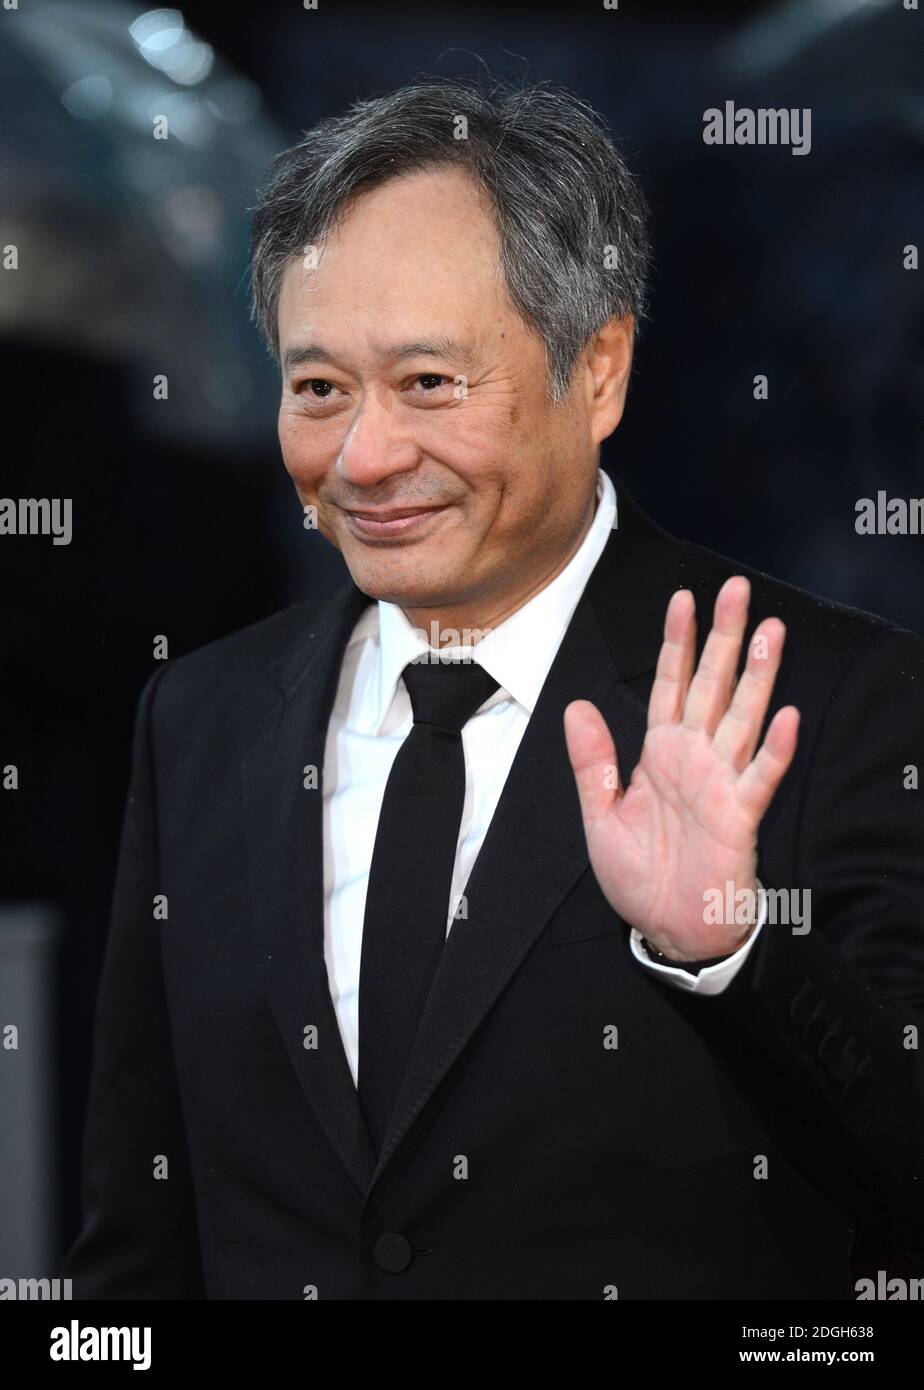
column 691, row 966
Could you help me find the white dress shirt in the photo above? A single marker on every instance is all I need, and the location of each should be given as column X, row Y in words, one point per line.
column 372, row 716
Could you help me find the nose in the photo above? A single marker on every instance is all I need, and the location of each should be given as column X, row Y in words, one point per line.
column 377, row 444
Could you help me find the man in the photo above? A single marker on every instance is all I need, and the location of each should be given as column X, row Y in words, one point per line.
column 442, row 961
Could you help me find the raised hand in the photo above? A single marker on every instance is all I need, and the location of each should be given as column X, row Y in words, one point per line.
column 687, row 823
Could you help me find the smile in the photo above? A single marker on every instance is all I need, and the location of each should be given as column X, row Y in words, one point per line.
column 403, row 521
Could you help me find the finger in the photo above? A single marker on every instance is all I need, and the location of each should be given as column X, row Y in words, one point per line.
column 711, row 687
column 739, row 728
column 592, row 753
column 675, row 661
column 759, row 780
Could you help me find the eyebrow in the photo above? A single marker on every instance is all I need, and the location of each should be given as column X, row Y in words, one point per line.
column 441, row 346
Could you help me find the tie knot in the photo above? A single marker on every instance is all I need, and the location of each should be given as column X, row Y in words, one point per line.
column 447, row 693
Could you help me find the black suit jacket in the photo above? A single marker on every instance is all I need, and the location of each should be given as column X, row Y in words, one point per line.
column 526, row 1158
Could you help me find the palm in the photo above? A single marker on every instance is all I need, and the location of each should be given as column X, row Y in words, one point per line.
column 687, row 824
column 678, row 830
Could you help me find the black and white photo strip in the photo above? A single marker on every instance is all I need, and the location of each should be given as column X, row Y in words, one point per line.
column 462, row 710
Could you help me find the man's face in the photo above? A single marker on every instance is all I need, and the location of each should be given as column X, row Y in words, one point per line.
column 414, row 412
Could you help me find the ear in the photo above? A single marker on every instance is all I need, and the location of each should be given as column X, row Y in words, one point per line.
column 608, row 361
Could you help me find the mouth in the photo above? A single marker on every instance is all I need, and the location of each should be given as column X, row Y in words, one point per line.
column 395, row 521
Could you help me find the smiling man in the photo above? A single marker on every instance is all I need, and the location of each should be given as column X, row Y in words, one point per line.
column 473, row 982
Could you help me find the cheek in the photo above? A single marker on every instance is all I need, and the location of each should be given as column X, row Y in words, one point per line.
column 307, row 453
column 475, row 440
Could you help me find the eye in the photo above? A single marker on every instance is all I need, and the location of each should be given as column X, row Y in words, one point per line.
column 318, row 397
column 319, row 388
column 438, row 389
column 432, row 390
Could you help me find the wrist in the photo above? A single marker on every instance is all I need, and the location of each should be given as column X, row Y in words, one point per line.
column 745, row 931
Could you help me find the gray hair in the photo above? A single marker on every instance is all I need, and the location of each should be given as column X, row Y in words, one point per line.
column 571, row 218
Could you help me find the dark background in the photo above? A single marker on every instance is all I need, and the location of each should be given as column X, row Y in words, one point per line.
column 133, row 263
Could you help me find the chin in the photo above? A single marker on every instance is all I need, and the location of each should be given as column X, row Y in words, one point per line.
column 390, row 578
column 405, row 596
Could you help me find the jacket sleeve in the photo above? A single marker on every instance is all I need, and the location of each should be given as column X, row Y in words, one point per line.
column 823, row 1031
column 139, row 1236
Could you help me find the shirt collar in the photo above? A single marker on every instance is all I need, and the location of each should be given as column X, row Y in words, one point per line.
column 519, row 652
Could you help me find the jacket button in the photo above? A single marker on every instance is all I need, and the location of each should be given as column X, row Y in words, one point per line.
column 392, row 1252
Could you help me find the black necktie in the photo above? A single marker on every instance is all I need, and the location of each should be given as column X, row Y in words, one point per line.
column 407, row 902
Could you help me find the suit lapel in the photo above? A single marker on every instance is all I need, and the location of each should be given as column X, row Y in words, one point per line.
column 285, row 839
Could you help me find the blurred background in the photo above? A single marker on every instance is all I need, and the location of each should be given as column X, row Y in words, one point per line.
column 123, row 257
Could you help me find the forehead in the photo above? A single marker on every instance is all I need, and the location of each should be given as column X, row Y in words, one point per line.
column 413, row 245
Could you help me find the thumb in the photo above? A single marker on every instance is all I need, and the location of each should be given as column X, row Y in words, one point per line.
column 592, row 753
